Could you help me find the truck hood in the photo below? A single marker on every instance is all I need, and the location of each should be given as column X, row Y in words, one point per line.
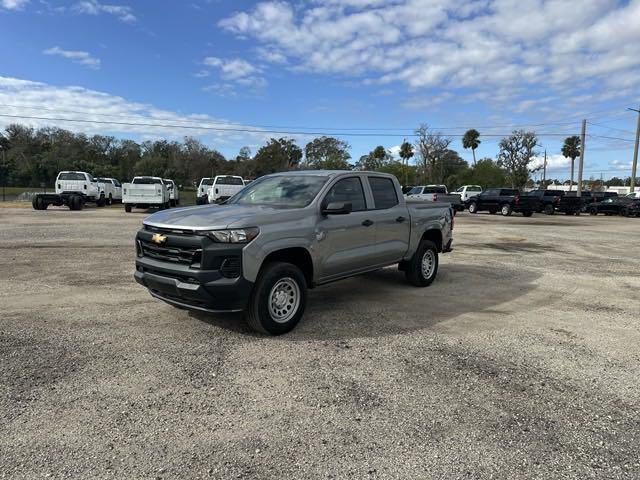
column 216, row 217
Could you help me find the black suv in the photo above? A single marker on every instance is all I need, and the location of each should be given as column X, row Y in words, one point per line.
column 506, row 200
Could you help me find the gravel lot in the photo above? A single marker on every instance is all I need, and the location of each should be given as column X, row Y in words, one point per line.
column 521, row 361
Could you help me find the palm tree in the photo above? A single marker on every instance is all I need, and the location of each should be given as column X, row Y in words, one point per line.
column 406, row 152
column 571, row 149
column 471, row 139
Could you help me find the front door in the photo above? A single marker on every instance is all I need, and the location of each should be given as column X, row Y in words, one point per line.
column 347, row 242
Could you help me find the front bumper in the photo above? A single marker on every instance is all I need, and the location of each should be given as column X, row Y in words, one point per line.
column 204, row 282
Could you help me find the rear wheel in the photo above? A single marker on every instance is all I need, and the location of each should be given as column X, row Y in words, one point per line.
column 423, row 266
column 473, row 207
column 127, row 207
column 278, row 299
column 593, row 211
column 110, row 201
column 549, row 210
column 506, row 210
column 101, row 201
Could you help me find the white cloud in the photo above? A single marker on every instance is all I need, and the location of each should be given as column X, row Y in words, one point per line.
column 234, row 72
column 76, row 56
column 124, row 13
column 36, row 99
column 554, row 162
column 13, row 4
column 475, row 46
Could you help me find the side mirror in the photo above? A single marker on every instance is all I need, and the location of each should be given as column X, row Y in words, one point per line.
column 337, row 208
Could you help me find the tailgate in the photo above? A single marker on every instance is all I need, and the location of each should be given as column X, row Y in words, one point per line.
column 139, row 192
column 72, row 185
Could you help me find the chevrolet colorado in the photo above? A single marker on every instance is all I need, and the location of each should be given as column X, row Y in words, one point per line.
column 284, row 233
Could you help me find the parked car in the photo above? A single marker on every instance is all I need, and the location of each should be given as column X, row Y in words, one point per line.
column 224, row 187
column 505, row 200
column 632, row 209
column 203, row 187
column 174, row 193
column 435, row 193
column 468, row 191
column 283, row 234
column 73, row 189
column 145, row 192
column 610, row 206
column 552, row 201
column 111, row 188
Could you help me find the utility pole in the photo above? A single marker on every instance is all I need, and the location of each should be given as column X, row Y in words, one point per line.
column 4, row 174
column 582, row 140
column 634, row 165
column 544, row 170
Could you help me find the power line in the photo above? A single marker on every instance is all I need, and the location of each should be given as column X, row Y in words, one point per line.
column 251, row 129
column 611, row 128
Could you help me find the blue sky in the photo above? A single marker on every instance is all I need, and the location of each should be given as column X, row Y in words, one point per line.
column 374, row 67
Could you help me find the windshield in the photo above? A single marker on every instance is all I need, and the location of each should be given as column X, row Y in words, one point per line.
column 295, row 191
column 72, row 176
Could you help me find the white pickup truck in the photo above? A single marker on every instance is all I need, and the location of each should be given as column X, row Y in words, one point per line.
column 174, row 193
column 145, row 192
column 203, row 188
column 468, row 191
column 73, row 189
column 111, row 188
column 435, row 193
column 224, row 187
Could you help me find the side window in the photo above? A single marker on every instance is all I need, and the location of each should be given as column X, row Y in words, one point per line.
column 348, row 190
column 384, row 192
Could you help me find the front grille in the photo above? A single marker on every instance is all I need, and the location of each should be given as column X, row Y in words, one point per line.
column 184, row 255
column 231, row 267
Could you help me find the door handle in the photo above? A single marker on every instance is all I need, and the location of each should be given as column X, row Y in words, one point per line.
column 400, row 219
column 367, row 223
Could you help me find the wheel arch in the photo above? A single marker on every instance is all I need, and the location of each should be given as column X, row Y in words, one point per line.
column 296, row 255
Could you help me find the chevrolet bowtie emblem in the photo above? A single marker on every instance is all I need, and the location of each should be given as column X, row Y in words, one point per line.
column 158, row 238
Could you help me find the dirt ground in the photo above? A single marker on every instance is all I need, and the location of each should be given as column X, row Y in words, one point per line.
column 520, row 361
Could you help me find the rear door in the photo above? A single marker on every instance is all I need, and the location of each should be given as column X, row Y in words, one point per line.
column 391, row 220
column 347, row 243
column 488, row 200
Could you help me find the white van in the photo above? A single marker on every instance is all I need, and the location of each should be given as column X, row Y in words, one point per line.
column 223, row 187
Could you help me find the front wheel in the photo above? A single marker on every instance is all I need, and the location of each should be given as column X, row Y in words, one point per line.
column 473, row 207
column 505, row 210
column 278, row 299
column 549, row 209
column 423, row 266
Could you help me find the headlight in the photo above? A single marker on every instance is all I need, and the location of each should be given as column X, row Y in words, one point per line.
column 241, row 235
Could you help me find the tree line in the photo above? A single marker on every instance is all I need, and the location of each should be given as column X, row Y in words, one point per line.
column 32, row 157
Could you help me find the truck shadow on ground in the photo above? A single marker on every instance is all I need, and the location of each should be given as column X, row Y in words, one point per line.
column 382, row 303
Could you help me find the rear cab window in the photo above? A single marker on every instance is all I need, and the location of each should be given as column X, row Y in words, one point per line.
column 384, row 192
column 147, row 181
column 72, row 176
column 229, row 181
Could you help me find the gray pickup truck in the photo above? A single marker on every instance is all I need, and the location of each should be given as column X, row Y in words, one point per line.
column 284, row 233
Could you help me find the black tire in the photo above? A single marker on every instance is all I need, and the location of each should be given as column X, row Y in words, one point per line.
column 110, row 200
column 414, row 272
column 172, row 203
column 527, row 214
column 473, row 207
column 101, row 201
column 260, row 316
column 127, row 207
column 624, row 212
column 506, row 210
column 593, row 211
column 549, row 209
column 79, row 202
column 38, row 203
